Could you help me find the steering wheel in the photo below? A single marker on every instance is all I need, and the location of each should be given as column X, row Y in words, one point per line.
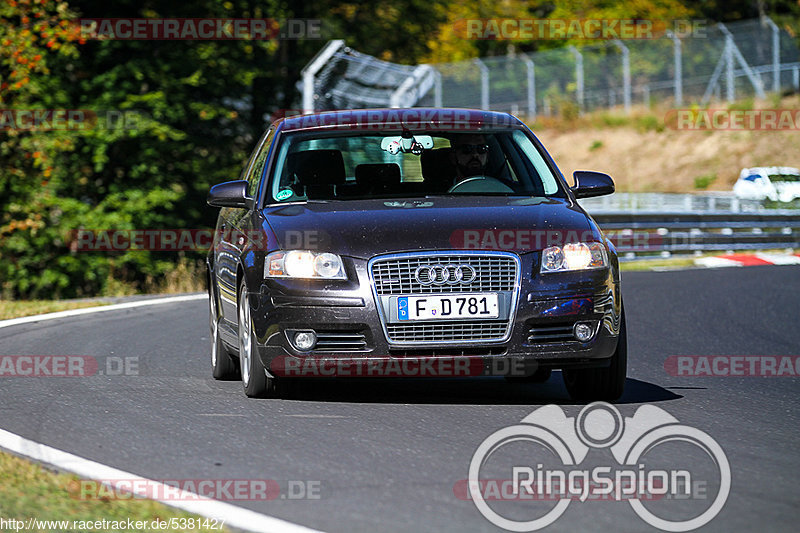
column 485, row 184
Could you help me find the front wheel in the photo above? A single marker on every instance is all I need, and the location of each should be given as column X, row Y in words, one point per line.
column 254, row 376
column 592, row 384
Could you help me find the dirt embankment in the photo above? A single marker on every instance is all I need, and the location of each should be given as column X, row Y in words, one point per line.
column 641, row 158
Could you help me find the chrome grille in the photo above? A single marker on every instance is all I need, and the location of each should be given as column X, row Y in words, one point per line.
column 473, row 330
column 395, row 276
column 333, row 341
column 551, row 333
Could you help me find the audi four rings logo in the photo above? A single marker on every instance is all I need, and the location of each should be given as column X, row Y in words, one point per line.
column 444, row 274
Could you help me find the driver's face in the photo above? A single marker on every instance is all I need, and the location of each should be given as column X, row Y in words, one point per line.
column 471, row 153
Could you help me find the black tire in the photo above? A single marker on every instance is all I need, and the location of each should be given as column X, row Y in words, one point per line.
column 223, row 367
column 606, row 384
column 255, row 381
column 540, row 376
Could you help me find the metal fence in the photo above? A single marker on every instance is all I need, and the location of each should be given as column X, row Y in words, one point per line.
column 654, row 225
column 726, row 202
column 653, row 235
column 737, row 60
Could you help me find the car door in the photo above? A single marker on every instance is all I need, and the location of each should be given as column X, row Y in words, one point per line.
column 235, row 227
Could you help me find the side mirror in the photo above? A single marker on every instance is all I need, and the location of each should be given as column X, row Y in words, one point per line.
column 229, row 194
column 589, row 183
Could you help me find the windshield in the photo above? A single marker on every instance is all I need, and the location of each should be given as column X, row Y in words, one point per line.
column 790, row 178
column 314, row 166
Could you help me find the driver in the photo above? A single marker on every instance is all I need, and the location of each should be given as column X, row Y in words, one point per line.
column 469, row 154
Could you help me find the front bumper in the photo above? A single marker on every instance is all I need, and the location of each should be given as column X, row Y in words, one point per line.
column 350, row 327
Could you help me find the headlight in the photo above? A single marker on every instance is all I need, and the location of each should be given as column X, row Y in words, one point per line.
column 303, row 264
column 574, row 256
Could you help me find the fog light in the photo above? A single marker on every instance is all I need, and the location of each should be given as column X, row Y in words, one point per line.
column 583, row 331
column 305, row 340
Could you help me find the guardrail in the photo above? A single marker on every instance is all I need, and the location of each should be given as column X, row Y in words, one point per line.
column 672, row 202
column 643, row 235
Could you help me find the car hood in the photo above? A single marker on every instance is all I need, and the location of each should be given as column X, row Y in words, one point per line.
column 364, row 228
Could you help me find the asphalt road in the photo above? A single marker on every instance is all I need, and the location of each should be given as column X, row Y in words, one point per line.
column 387, row 453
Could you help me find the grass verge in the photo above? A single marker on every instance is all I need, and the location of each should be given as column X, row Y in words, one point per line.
column 19, row 308
column 651, row 264
column 30, row 490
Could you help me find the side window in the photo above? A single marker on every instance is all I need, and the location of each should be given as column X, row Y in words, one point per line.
column 539, row 164
column 257, row 169
column 249, row 163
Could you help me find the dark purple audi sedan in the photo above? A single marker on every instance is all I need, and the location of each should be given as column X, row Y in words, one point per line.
column 412, row 242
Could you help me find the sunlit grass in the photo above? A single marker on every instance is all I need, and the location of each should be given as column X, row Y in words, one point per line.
column 19, row 308
column 30, row 490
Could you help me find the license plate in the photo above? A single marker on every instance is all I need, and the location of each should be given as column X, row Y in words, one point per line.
column 443, row 307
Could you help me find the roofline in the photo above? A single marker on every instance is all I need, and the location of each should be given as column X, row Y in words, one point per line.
column 413, row 118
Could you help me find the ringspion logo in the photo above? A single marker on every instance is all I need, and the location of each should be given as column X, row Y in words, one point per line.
column 543, row 459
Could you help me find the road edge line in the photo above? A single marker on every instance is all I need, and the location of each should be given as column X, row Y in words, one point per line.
column 99, row 309
column 233, row 516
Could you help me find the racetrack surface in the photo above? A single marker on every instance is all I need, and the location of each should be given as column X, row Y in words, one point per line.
column 387, row 453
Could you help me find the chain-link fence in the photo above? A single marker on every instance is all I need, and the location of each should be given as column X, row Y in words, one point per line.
column 721, row 62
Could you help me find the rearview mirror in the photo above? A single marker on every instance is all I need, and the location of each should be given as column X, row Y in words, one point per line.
column 589, row 184
column 407, row 143
column 229, row 194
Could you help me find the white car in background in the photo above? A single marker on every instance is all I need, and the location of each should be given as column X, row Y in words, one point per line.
column 773, row 183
